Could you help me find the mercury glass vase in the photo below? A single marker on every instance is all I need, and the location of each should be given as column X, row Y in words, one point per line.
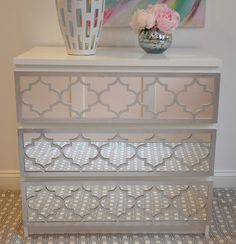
column 154, row 41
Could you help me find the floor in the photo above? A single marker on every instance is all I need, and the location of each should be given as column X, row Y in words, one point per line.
column 223, row 227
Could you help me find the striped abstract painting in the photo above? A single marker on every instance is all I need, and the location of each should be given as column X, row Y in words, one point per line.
column 118, row 12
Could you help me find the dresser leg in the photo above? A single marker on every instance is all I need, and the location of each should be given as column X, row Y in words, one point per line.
column 26, row 232
column 207, row 231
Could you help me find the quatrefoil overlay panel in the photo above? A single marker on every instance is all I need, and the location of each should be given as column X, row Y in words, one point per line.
column 119, row 203
column 117, row 152
column 105, row 96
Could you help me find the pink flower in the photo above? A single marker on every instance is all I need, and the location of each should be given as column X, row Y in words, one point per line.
column 167, row 19
column 150, row 21
column 142, row 19
column 158, row 15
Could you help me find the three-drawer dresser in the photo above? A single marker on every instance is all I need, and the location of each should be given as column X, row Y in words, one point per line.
column 120, row 142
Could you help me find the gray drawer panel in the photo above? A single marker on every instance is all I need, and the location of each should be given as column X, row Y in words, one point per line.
column 116, row 152
column 104, row 206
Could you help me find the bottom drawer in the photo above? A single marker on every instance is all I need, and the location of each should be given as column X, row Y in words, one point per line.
column 93, row 207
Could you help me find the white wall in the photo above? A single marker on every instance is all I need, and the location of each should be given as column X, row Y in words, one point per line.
column 27, row 23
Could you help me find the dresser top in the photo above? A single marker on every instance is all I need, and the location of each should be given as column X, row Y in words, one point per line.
column 119, row 57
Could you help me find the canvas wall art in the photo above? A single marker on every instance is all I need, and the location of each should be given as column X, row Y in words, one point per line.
column 118, row 13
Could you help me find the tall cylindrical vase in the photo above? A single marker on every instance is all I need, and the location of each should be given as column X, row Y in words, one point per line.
column 81, row 24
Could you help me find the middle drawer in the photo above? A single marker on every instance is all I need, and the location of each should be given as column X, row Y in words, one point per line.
column 116, row 152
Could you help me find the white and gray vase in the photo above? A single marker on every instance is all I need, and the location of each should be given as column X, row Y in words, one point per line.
column 81, row 24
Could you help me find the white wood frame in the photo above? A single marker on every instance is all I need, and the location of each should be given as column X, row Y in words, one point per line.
column 130, row 61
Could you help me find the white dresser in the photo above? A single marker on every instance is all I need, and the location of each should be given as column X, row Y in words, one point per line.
column 120, row 142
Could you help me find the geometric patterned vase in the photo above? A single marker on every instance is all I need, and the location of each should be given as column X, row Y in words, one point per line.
column 81, row 24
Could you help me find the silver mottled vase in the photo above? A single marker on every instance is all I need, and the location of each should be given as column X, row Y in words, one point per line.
column 81, row 23
column 154, row 41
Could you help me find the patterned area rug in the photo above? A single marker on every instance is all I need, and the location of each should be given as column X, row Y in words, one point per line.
column 223, row 226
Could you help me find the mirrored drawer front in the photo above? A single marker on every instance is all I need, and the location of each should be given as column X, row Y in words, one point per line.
column 82, row 97
column 116, row 152
column 116, row 206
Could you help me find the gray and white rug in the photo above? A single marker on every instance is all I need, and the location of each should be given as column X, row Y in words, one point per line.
column 223, row 226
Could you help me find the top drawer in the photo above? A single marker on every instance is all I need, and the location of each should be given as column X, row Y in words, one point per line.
column 74, row 97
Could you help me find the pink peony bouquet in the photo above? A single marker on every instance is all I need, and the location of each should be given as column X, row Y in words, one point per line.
column 158, row 15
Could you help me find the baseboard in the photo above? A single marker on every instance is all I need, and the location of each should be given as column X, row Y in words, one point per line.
column 225, row 178
column 10, row 179
column 225, row 173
